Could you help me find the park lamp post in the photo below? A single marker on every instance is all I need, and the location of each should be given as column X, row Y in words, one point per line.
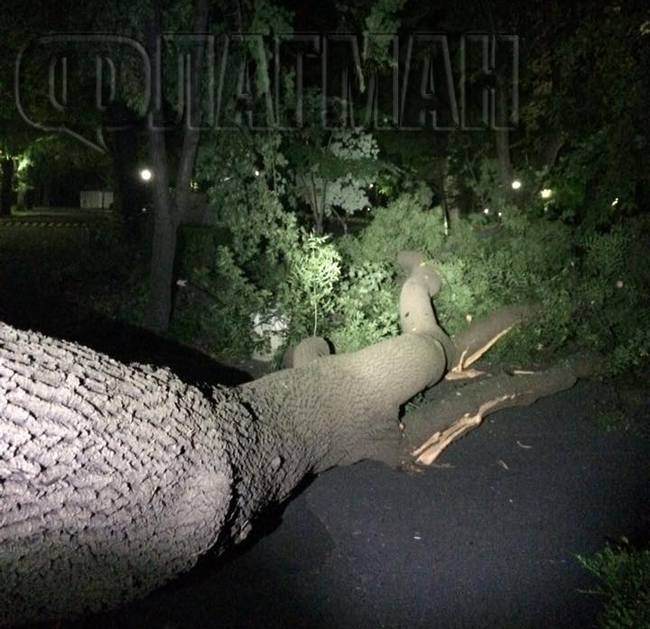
column 146, row 175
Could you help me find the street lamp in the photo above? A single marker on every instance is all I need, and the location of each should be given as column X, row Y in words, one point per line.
column 146, row 174
column 546, row 193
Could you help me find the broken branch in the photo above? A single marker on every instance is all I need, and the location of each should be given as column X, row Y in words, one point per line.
column 431, row 449
column 433, row 427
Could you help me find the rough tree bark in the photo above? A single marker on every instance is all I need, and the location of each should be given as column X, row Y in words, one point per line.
column 114, row 478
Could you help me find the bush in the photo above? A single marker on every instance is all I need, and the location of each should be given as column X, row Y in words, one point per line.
column 624, row 576
column 365, row 308
column 216, row 300
column 591, row 287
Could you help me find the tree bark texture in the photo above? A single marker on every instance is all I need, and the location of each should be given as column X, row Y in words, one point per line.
column 114, row 478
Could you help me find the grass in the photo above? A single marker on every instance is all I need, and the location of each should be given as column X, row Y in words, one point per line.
column 52, row 263
column 59, row 214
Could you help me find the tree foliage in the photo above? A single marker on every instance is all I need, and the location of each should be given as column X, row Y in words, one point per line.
column 281, row 198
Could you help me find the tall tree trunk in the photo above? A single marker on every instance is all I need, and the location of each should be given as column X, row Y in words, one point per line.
column 502, row 132
column 45, row 192
column 502, row 141
column 6, row 193
column 21, row 199
column 552, row 148
column 129, row 194
column 163, row 246
column 169, row 210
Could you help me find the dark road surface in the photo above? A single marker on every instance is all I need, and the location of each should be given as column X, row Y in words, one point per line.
column 488, row 540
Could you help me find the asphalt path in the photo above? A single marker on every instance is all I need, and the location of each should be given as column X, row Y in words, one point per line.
column 487, row 539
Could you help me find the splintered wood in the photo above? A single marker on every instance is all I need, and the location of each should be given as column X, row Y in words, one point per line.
column 431, row 449
column 461, row 371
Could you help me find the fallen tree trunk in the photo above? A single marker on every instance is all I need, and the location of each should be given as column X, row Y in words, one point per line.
column 115, row 478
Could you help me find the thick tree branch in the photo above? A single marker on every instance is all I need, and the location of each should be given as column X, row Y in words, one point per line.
column 480, row 336
column 434, row 426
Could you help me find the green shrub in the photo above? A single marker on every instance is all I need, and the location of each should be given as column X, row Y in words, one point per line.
column 590, row 287
column 314, row 270
column 624, row 577
column 215, row 299
column 365, row 308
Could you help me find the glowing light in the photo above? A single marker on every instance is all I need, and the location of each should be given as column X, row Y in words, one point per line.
column 257, row 173
column 500, row 214
column 486, row 211
column 620, row 284
column 146, row 174
column 372, row 185
column 546, row 193
column 23, row 163
column 615, row 202
column 516, row 184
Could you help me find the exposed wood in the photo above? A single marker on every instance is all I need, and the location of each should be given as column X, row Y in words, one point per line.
column 465, row 374
column 462, row 408
column 482, row 332
column 431, row 449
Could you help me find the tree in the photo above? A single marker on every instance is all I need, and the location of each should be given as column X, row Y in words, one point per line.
column 29, row 123
column 337, row 176
column 6, row 195
column 168, row 209
column 115, row 478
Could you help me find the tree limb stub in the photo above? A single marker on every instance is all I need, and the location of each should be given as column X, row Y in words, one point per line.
column 311, row 348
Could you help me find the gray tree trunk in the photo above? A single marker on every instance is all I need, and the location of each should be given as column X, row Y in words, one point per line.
column 114, row 478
